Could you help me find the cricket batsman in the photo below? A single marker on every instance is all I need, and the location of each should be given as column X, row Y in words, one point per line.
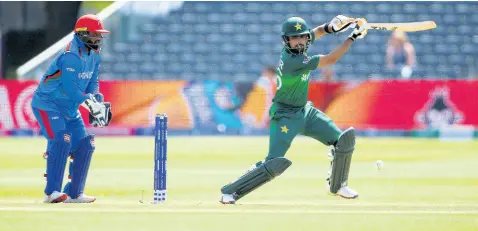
column 292, row 114
column 71, row 81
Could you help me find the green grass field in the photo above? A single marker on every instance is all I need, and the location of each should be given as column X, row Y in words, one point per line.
column 425, row 185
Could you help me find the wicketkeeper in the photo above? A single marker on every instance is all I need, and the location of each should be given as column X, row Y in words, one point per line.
column 71, row 80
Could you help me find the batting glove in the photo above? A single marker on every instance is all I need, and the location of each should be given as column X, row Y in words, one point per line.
column 339, row 24
column 360, row 29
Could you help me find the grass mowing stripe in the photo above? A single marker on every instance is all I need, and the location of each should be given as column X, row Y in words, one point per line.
column 222, row 211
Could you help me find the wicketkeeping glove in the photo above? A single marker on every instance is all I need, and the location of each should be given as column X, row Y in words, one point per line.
column 97, row 110
column 107, row 114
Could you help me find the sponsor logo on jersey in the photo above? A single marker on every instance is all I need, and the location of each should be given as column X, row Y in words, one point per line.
column 305, row 77
column 306, row 60
column 85, row 75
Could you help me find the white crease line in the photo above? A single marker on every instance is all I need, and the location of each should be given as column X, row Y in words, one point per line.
column 100, row 202
column 359, row 204
column 248, row 211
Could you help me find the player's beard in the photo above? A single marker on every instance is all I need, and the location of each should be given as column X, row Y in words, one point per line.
column 86, row 39
column 299, row 48
column 94, row 45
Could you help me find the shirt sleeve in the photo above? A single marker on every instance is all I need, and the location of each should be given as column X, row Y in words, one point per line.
column 70, row 65
column 93, row 86
column 311, row 62
column 299, row 64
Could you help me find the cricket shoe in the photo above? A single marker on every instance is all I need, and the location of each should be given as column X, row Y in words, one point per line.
column 227, row 199
column 347, row 193
column 82, row 198
column 344, row 191
column 55, row 197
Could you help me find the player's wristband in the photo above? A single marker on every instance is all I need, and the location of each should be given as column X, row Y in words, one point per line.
column 326, row 29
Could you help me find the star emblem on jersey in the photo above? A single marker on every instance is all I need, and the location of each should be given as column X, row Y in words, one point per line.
column 298, row 26
column 284, row 129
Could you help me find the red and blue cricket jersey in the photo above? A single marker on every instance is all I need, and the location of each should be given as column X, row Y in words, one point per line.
column 73, row 72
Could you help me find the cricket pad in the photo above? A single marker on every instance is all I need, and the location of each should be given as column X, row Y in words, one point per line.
column 342, row 158
column 257, row 177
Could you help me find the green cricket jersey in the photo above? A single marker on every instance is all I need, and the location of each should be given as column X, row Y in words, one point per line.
column 293, row 78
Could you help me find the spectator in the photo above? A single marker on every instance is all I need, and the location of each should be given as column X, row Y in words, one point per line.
column 255, row 111
column 327, row 74
column 400, row 54
column 269, row 73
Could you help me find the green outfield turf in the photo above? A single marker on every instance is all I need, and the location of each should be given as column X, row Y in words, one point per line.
column 425, row 185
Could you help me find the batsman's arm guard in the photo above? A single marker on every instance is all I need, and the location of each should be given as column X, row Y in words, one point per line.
column 257, row 177
column 342, row 157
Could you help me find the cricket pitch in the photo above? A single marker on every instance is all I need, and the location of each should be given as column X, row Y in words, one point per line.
column 425, row 184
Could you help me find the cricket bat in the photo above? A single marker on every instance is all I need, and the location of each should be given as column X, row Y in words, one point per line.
column 405, row 27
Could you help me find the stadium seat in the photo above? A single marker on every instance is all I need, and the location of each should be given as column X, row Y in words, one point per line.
column 214, row 39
